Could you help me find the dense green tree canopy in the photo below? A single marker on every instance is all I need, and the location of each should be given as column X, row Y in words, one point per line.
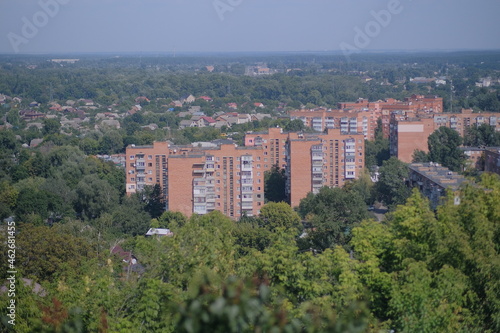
column 332, row 213
column 443, row 148
column 274, row 184
column 279, row 215
column 391, row 187
column 483, row 135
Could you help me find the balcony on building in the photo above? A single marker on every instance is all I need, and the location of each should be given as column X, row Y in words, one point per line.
column 247, row 189
column 246, row 175
column 247, row 198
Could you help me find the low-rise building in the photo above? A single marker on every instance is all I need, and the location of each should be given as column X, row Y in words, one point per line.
column 492, row 160
column 433, row 180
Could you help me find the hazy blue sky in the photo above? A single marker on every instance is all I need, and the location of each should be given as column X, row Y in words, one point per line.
column 245, row 25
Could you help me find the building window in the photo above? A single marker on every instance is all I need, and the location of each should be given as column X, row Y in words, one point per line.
column 150, row 157
column 132, row 179
column 132, row 157
column 150, row 179
column 150, row 165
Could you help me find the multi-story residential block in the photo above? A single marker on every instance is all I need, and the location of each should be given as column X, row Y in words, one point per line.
column 409, row 131
column 273, row 144
column 348, row 121
column 433, row 180
column 361, row 116
column 317, row 160
column 199, row 180
column 408, row 134
column 475, row 157
column 230, row 179
column 146, row 165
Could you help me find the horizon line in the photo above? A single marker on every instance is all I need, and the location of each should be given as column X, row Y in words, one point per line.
column 191, row 53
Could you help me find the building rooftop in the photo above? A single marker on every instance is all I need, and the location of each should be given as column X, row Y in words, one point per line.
column 438, row 174
column 159, row 232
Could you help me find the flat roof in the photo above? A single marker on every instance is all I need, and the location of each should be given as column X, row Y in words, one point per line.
column 438, row 174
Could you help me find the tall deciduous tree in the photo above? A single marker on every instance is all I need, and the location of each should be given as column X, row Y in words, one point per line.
column 484, row 135
column 95, row 197
column 51, row 126
column 274, row 184
column 43, row 253
column 377, row 151
column 152, row 198
column 279, row 215
column 443, row 148
column 332, row 213
column 391, row 188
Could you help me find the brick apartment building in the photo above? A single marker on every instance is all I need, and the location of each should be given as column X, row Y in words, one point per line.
column 410, row 130
column 317, row 160
column 348, row 121
column 361, row 116
column 273, row 143
column 230, row 179
column 311, row 160
column 199, row 180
